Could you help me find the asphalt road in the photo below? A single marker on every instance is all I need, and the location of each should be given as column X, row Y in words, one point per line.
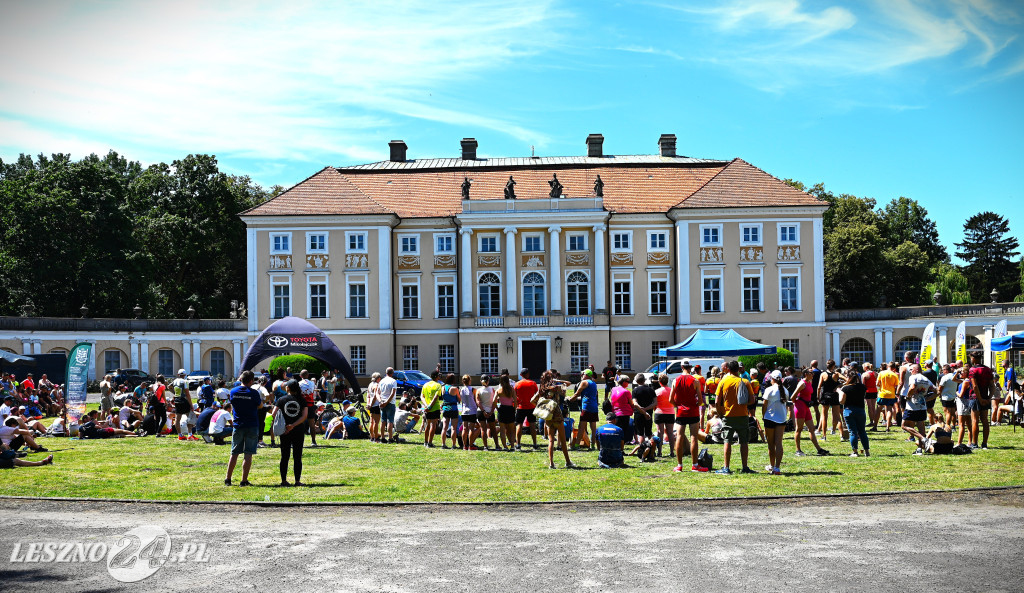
column 943, row 542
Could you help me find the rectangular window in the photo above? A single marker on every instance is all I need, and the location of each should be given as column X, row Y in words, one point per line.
column 752, row 293
column 357, row 300
column 409, row 244
column 657, row 241
column 489, row 359
column 316, row 242
column 659, row 297
column 410, row 301
column 789, row 233
column 712, row 297
column 793, row 346
column 623, row 356
column 789, row 293
column 357, row 357
column 356, row 242
column 710, row 235
column 656, row 356
column 444, row 244
column 489, row 291
column 318, row 301
column 165, row 362
column 282, row 300
column 445, row 301
column 622, row 240
column 533, row 243
column 750, row 234
column 410, row 358
column 622, row 297
column 577, row 242
column 446, row 356
column 489, row 244
column 579, row 356
column 111, row 361
column 280, row 243
column 217, row 363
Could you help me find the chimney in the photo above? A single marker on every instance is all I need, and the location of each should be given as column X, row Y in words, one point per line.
column 398, row 148
column 667, row 142
column 469, row 149
column 594, row 145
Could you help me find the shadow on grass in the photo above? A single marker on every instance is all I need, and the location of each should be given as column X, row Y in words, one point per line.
column 812, row 473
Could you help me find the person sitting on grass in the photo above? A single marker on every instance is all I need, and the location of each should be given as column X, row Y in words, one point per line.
column 30, row 422
column 939, row 440
column 353, row 427
column 406, row 416
column 203, row 422
column 611, row 441
column 221, row 424
column 129, row 416
column 15, row 436
column 646, row 449
column 9, row 460
column 94, row 428
column 335, row 428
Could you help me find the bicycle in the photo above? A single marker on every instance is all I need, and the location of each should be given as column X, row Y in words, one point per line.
column 361, row 411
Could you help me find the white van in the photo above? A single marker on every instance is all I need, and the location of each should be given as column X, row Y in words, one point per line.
column 674, row 368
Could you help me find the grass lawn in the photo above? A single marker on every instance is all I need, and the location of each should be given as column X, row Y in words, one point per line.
column 152, row 468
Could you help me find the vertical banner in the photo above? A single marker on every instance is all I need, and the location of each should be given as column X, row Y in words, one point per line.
column 999, row 357
column 77, row 382
column 961, row 343
column 927, row 344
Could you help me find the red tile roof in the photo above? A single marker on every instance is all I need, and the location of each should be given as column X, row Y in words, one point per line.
column 325, row 192
column 744, row 185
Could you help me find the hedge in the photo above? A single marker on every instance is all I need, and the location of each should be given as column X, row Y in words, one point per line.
column 297, row 362
column 781, row 358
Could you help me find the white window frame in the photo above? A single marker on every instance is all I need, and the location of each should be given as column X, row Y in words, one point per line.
column 325, row 235
column 358, row 363
column 276, row 251
column 401, row 240
column 590, row 292
column 616, row 355
column 650, row 237
column 488, row 363
column 404, row 357
column 312, row 279
column 404, row 281
column 442, row 359
column 501, row 293
column 718, row 243
column 351, row 279
column 349, row 235
column 445, row 281
column 170, row 365
column 659, row 277
column 760, row 234
column 568, row 242
column 706, row 273
column 282, row 280
column 579, row 356
column 624, row 277
column 480, row 242
column 795, row 351
column 752, row 272
column 224, row 362
column 522, row 291
column 538, row 236
column 621, row 233
column 792, row 271
column 450, row 237
column 795, row 225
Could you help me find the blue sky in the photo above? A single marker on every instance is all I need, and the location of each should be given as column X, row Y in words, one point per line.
column 896, row 97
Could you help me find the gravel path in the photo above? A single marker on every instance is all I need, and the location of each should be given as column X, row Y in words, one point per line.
column 938, row 542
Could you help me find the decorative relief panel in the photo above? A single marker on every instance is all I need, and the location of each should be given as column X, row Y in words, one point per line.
column 317, row 261
column 444, row 261
column 533, row 261
column 712, row 254
column 751, row 254
column 356, row 260
column 280, row 262
column 622, row 259
column 489, row 261
column 577, row 259
column 660, row 258
column 408, row 262
column 790, row 253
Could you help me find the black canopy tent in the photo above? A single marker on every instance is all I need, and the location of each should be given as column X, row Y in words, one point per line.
column 292, row 335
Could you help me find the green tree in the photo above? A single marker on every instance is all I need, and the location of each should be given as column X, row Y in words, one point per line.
column 904, row 219
column 906, row 275
column 988, row 249
column 950, row 282
column 852, row 254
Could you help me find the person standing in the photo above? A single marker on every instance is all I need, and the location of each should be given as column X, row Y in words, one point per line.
column 802, row 413
column 554, row 426
column 525, row 390
column 983, row 388
column 506, row 396
column 205, row 394
column 450, row 411
column 917, row 388
column 852, row 397
column 387, row 391
column 665, row 412
column 245, row 405
column 869, row 378
column 949, row 384
column 294, row 409
column 106, row 390
column 622, row 406
column 182, row 406
column 308, row 387
column 609, row 373
column 734, row 414
column 430, row 394
column 156, row 406
column 1009, row 386
column 373, row 406
column 773, row 413
column 888, row 382
column 646, row 399
column 467, row 414
column 828, row 396
column 686, row 398
column 486, row 404
column 586, row 392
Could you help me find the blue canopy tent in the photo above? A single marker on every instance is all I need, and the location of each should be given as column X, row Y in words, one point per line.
column 292, row 335
column 716, row 342
column 1014, row 342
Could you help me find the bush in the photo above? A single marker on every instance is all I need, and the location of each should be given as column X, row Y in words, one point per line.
column 781, row 358
column 297, row 362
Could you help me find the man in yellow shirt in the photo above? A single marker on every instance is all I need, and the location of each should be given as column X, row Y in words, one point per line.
column 430, row 394
column 734, row 414
column 887, row 382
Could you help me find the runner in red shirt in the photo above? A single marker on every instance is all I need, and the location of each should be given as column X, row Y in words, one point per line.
column 686, row 396
column 525, row 390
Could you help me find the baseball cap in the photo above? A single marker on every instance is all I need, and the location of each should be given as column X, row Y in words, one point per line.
column 181, row 371
column 776, row 376
column 346, row 403
column 588, row 372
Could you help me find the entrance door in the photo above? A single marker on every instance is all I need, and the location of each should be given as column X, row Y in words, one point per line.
column 535, row 357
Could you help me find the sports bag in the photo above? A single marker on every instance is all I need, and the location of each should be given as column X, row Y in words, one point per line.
column 705, row 459
column 743, row 394
column 277, row 428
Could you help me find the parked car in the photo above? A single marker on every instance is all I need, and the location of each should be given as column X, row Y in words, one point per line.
column 134, row 377
column 411, row 382
column 195, row 378
column 674, row 368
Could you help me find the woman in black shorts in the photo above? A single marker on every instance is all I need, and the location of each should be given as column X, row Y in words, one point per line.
column 450, row 410
column 828, row 395
column 506, row 396
column 486, row 402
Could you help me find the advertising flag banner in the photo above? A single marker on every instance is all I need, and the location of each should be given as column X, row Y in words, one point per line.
column 999, row 357
column 77, row 381
column 961, row 343
column 928, row 344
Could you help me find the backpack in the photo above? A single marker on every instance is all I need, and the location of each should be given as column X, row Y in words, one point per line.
column 962, row 449
column 681, row 388
column 743, row 394
column 705, row 459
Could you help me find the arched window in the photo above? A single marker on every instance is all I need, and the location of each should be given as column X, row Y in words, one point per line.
column 533, row 295
column 490, row 295
column 858, row 350
column 905, row 345
column 219, row 362
column 112, row 360
column 165, row 362
column 577, row 296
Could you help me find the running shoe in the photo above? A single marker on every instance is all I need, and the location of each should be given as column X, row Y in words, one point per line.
column 854, row 454
column 776, row 471
column 679, row 469
column 800, row 454
column 182, row 437
column 747, row 470
column 823, row 453
column 919, row 451
column 192, row 437
column 724, row 472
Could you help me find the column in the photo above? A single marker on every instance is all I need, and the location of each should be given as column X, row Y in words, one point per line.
column 236, row 355
column 26, row 346
column 384, row 295
column 879, row 347
column 186, row 355
column 828, row 344
column 988, row 344
column 466, row 270
column 683, row 272
column 37, row 346
column 943, row 346
column 144, row 356
column 556, row 270
column 888, row 344
column 600, row 270
column 836, row 348
column 511, row 270
column 133, row 353
column 197, row 354
column 819, row 269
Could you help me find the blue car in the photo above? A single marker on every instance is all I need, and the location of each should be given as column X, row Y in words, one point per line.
column 411, row 382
